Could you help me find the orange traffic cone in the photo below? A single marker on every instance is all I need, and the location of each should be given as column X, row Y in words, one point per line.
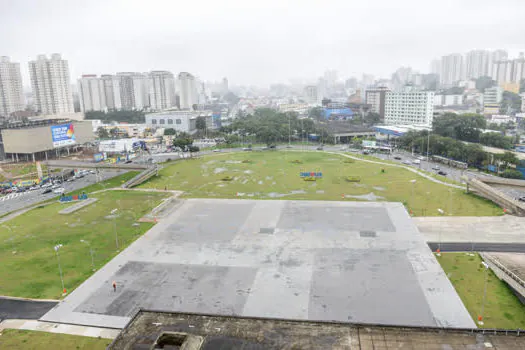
column 64, row 291
column 343, row 195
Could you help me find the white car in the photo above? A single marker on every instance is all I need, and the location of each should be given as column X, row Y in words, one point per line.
column 416, row 161
column 34, row 188
column 46, row 185
column 59, row 190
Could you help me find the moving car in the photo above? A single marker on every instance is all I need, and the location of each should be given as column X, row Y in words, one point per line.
column 320, row 148
column 216, row 150
column 435, row 167
column 441, row 172
column 246, row 149
column 47, row 190
column 521, row 199
column 397, row 157
column 59, row 190
column 416, row 161
column 407, row 162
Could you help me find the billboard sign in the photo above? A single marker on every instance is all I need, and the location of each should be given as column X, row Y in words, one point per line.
column 367, row 143
column 63, row 135
column 98, row 157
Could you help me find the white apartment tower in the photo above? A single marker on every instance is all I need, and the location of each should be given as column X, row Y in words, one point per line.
column 187, row 90
column 409, row 107
column 134, row 90
column 311, row 95
column 91, row 93
column 50, row 84
column 162, row 90
column 477, row 63
column 111, row 86
column 451, row 69
column 11, row 93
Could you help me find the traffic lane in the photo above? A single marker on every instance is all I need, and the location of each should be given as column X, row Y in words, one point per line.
column 477, row 247
column 511, row 192
column 24, row 309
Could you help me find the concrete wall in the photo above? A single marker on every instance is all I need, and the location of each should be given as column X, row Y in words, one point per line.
column 38, row 139
column 502, row 181
column 513, row 206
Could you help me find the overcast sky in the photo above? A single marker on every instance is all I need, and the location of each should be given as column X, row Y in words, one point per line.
column 252, row 41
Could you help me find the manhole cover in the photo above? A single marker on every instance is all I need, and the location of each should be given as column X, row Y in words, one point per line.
column 367, row 234
column 267, row 230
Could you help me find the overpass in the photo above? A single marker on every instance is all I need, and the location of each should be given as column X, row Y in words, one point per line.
column 76, row 164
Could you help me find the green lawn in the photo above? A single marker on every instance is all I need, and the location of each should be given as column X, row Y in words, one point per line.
column 29, row 264
column 502, row 308
column 34, row 340
column 272, row 175
column 113, row 182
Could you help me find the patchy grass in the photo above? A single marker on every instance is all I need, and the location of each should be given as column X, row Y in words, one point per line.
column 29, row 264
column 502, row 308
column 275, row 175
column 113, row 182
column 34, row 340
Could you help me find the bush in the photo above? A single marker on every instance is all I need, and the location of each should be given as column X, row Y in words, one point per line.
column 511, row 174
column 227, row 178
column 353, row 179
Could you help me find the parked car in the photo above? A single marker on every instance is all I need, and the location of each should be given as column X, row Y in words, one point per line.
column 521, row 199
column 47, row 190
column 216, row 150
column 397, row 157
column 32, row 188
column 435, row 167
column 407, row 162
column 246, row 149
column 59, row 190
column 416, row 161
column 320, row 148
column 441, row 172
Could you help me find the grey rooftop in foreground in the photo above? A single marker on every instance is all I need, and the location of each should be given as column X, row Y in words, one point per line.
column 307, row 260
column 232, row 333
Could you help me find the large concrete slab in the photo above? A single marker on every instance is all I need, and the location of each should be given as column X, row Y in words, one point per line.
column 310, row 260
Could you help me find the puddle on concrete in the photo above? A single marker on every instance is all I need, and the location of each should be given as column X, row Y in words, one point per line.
column 369, row 197
column 359, row 185
column 219, row 170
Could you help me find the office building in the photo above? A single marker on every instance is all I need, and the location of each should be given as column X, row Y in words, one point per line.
column 187, row 90
column 376, row 99
column 111, row 85
column 310, row 94
column 181, row 121
column 492, row 99
column 162, row 90
column 409, row 107
column 11, row 93
column 477, row 63
column 51, row 85
column 451, row 70
column 91, row 93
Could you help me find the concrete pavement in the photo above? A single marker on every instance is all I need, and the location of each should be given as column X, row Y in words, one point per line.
column 34, row 325
column 24, row 308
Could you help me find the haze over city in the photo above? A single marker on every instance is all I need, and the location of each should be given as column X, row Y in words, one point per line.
column 255, row 43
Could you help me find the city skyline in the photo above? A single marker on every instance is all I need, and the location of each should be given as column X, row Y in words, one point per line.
column 259, row 44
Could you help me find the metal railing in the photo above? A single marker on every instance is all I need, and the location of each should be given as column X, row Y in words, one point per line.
column 503, row 268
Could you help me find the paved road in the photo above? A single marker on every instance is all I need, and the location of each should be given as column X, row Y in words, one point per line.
column 20, row 200
column 24, row 309
column 478, row 247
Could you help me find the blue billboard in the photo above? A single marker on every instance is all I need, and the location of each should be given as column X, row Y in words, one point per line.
column 63, row 135
column 338, row 113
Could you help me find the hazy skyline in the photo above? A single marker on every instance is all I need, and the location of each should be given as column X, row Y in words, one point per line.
column 255, row 43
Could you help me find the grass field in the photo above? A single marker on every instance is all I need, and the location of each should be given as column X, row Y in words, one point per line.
column 273, row 175
column 502, row 308
column 34, row 340
column 29, row 264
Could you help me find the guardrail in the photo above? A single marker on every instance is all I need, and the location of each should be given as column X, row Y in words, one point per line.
column 503, row 268
column 496, row 196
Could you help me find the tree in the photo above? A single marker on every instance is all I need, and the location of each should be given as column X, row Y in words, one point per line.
column 512, row 174
column 510, row 102
column 183, row 141
column 509, row 158
column 114, row 132
column 102, row 133
column 200, row 123
column 464, row 127
column 484, row 82
column 316, row 113
column 372, row 118
column 496, row 139
column 169, row 131
column 193, row 149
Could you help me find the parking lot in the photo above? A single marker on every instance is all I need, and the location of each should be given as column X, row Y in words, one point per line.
column 18, row 200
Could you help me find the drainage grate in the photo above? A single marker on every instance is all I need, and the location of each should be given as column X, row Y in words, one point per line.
column 368, row 234
column 267, row 230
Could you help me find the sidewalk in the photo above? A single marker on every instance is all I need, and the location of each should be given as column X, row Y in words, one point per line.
column 34, row 325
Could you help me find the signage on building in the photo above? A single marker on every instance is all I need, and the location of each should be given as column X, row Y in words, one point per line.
column 74, row 198
column 63, row 135
column 367, row 143
column 98, row 157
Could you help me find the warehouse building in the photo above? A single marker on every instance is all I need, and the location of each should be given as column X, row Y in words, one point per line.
column 43, row 139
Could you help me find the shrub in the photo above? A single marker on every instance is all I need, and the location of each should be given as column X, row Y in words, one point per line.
column 511, row 174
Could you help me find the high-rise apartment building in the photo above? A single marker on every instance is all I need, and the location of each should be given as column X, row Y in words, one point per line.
column 134, row 90
column 91, row 93
column 51, row 85
column 477, row 63
column 435, row 67
column 311, row 95
column 409, row 107
column 502, row 71
column 376, row 99
column 11, row 93
column 451, row 69
column 111, row 86
column 162, row 90
column 187, row 90
column 495, row 56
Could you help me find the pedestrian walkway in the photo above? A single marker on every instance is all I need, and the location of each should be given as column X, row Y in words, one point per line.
column 34, row 325
column 482, row 229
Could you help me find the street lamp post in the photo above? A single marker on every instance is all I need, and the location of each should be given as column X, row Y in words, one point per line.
column 441, row 212
column 480, row 318
column 90, row 253
column 114, row 213
column 57, row 247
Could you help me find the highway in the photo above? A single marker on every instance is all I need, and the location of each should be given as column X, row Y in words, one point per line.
column 16, row 201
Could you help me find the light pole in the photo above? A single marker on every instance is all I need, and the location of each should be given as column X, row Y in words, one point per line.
column 91, row 253
column 114, row 213
column 57, row 247
column 480, row 318
column 441, row 212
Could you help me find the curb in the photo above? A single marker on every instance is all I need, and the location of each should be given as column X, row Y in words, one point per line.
column 29, row 299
